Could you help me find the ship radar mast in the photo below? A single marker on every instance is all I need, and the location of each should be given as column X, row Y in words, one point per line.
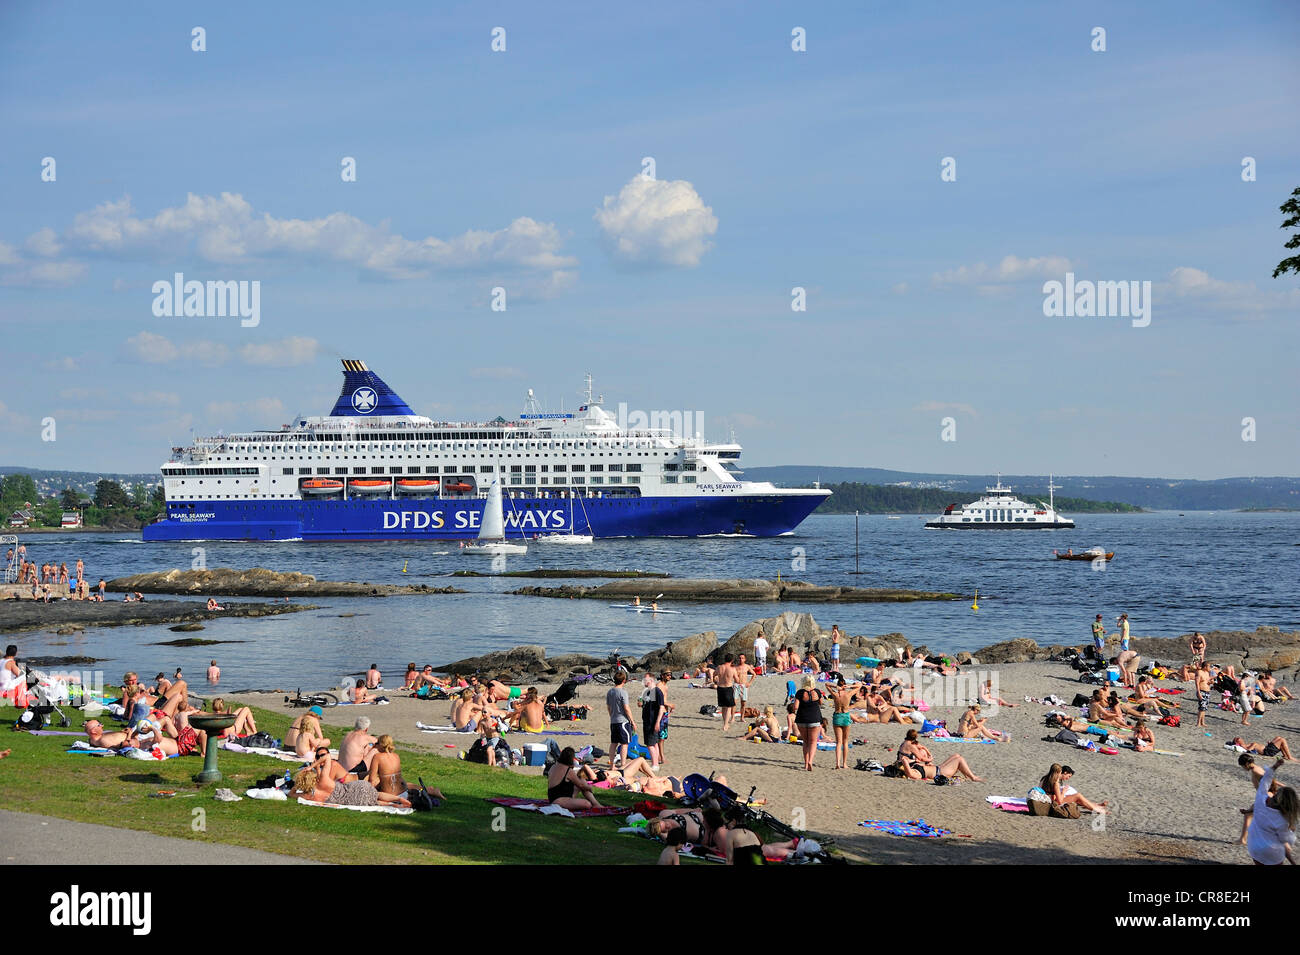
column 1051, row 494
column 588, row 394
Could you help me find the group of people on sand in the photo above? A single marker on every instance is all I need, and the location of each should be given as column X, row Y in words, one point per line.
column 367, row 772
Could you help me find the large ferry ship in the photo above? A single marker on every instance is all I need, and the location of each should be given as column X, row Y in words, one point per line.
column 372, row 469
column 999, row 509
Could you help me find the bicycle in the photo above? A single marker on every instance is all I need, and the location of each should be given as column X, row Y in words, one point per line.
column 312, row 699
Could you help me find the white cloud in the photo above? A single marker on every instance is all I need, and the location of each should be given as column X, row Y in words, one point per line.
column 1010, row 269
column 257, row 413
column 900, row 288
column 42, row 273
column 11, row 420
column 946, row 406
column 64, row 363
column 1244, row 300
column 282, row 353
column 226, row 229
column 657, row 222
column 160, row 350
column 155, row 399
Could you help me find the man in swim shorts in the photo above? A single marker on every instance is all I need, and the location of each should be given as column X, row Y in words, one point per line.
column 725, row 680
column 620, row 721
column 1202, row 691
column 835, row 648
column 745, row 677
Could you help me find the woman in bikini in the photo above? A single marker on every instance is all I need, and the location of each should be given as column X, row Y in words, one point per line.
column 1056, row 785
column 245, row 725
column 702, row 827
column 841, row 720
column 989, row 698
column 1144, row 741
column 305, row 733
column 782, row 660
column 808, row 718
column 1276, row 746
column 564, row 783
column 916, row 762
column 970, row 726
column 745, row 848
column 317, row 786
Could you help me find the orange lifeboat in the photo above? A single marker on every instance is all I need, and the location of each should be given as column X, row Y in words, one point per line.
column 416, row 485
column 369, row 485
column 459, row 488
column 320, row 486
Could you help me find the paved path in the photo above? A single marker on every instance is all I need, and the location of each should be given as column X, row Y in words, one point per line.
column 28, row 838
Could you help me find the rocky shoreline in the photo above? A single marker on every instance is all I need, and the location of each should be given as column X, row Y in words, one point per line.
column 260, row 582
column 744, row 589
column 561, row 573
column 1261, row 648
column 69, row 616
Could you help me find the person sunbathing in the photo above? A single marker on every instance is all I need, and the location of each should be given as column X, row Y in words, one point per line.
column 743, row 847
column 305, row 733
column 636, row 775
column 315, row 786
column 1075, row 724
column 530, row 715
column 429, row 678
column 767, row 728
column 953, row 765
column 98, row 738
column 810, row 662
column 499, row 692
column 880, row 710
column 1272, row 748
column 796, row 661
column 970, row 726
column 386, row 771
column 146, row 735
column 1056, row 786
column 1143, row 739
column 1099, row 713
column 1271, row 691
column 358, row 693
column 465, row 713
column 782, row 660
column 989, row 698
column 358, row 747
column 244, row 725
column 412, row 678
column 564, row 783
column 703, row 827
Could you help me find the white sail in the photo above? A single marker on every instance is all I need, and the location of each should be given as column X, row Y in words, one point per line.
column 493, row 525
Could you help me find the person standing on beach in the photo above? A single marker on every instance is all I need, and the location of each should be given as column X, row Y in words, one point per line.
column 1272, row 829
column 725, row 681
column 760, row 652
column 652, row 709
column 842, row 720
column 1123, row 632
column 1202, row 691
column 1197, row 646
column 620, row 720
column 808, row 718
column 836, row 636
column 1099, row 637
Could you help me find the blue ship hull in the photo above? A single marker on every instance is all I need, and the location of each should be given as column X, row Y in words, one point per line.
column 759, row 515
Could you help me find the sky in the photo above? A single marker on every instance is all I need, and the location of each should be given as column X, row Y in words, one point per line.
column 919, row 177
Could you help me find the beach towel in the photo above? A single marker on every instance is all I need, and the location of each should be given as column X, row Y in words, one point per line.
column 83, row 748
column 390, row 810
column 541, row 805
column 913, row 827
column 367, row 703
column 280, row 754
column 443, row 728
column 962, row 739
column 54, row 733
column 1008, row 803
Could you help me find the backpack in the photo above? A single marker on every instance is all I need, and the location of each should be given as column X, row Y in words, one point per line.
column 708, row 709
column 260, row 741
column 1081, row 700
column 1067, row 736
column 420, row 799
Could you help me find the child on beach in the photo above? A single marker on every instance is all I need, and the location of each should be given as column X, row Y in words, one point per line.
column 673, row 841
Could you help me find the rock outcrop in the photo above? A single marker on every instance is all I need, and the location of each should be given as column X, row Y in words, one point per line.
column 738, row 589
column 680, row 654
column 260, row 582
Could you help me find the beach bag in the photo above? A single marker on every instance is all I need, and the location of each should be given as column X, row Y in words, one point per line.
column 1067, row 736
column 260, row 741
column 420, row 799
column 1080, row 700
column 1067, row 811
column 1171, row 720
column 708, row 709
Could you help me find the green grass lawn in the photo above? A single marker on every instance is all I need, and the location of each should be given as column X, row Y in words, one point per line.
column 113, row 791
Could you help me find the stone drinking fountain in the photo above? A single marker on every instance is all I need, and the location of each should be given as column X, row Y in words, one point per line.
column 212, row 724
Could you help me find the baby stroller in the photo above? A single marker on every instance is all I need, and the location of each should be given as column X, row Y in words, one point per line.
column 558, row 707
column 703, row 791
column 44, row 694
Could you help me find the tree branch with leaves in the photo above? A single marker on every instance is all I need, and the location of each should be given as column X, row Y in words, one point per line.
column 1292, row 221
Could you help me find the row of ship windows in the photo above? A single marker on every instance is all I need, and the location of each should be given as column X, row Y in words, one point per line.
column 466, row 469
column 573, row 479
column 459, row 446
column 475, row 440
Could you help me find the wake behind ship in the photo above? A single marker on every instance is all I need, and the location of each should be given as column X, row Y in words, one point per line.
column 374, row 470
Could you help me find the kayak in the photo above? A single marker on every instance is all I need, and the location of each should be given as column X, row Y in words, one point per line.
column 641, row 608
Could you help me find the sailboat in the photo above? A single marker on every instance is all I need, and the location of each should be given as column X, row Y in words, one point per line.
column 568, row 536
column 492, row 529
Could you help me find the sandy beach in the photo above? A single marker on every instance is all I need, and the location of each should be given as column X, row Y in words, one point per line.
column 1164, row 808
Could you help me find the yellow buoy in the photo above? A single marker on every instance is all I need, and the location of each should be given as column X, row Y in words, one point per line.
column 404, row 563
column 976, row 605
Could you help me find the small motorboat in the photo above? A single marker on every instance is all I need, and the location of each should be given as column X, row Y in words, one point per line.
column 320, row 486
column 416, row 485
column 564, row 538
column 1093, row 553
column 369, row 485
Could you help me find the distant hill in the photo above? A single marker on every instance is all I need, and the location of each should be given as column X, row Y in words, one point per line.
column 1165, row 494
column 52, row 483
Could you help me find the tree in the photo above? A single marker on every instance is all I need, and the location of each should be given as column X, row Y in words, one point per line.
column 110, row 494
column 18, row 489
column 70, row 500
column 1292, row 209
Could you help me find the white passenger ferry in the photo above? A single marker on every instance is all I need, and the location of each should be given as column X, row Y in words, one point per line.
column 373, row 469
column 999, row 509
